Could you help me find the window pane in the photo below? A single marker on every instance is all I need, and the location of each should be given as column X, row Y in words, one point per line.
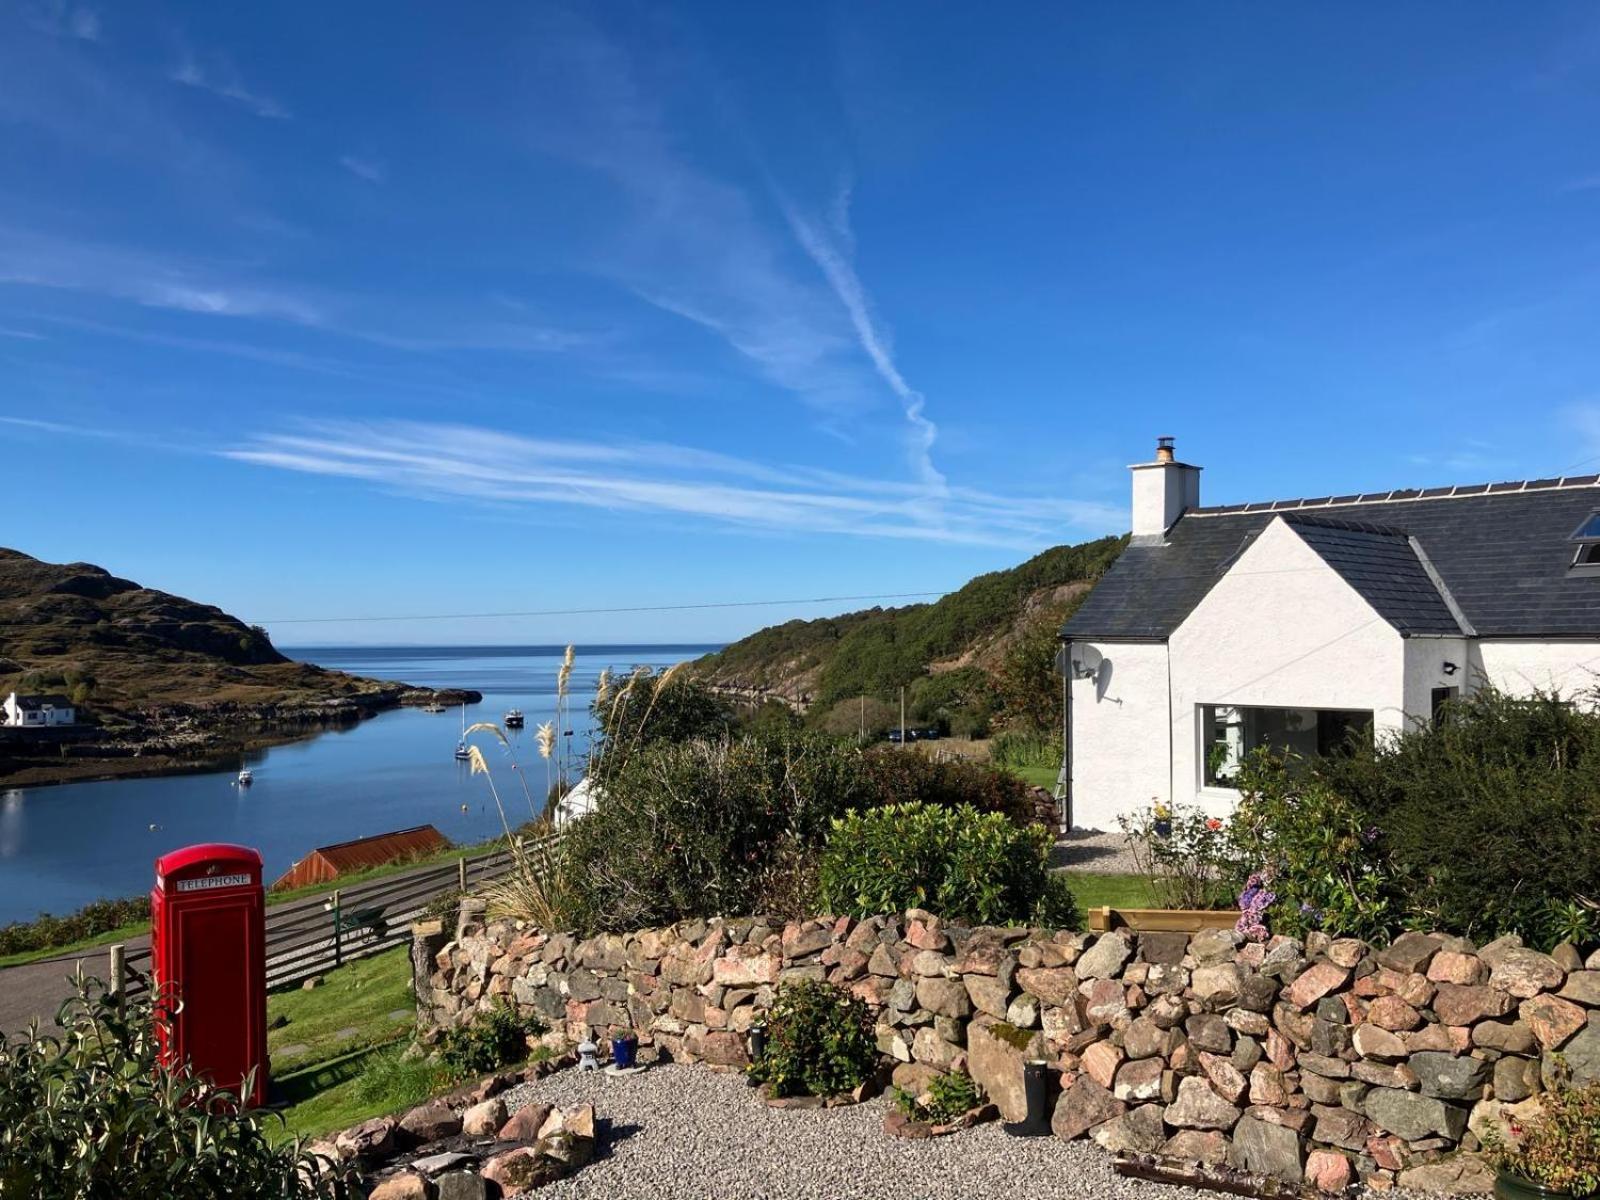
column 1229, row 733
column 1589, row 531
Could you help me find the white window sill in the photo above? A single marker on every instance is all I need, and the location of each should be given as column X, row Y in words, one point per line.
column 1230, row 795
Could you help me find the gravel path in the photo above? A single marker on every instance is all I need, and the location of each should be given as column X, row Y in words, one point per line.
column 682, row 1131
column 1094, row 853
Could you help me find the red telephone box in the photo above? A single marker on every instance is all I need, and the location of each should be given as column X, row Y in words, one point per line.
column 208, row 952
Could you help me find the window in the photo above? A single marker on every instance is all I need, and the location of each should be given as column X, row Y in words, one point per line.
column 1229, row 733
column 1587, row 537
column 1441, row 697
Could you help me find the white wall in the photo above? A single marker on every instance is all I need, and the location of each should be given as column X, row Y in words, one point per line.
column 1520, row 668
column 1282, row 630
column 1425, row 659
column 1119, row 733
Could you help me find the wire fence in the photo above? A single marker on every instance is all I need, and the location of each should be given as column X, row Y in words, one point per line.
column 310, row 936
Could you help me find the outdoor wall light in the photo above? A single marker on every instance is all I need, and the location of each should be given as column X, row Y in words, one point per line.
column 1450, row 668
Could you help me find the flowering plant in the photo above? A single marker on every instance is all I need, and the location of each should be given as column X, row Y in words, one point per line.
column 1560, row 1148
column 1186, row 854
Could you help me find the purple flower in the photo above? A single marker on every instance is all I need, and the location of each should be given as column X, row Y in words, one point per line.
column 1370, row 834
column 1254, row 901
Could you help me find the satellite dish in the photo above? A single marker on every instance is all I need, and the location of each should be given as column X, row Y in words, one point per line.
column 1086, row 662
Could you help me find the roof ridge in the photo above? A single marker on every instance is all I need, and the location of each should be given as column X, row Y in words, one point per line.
column 1320, row 522
column 1397, row 495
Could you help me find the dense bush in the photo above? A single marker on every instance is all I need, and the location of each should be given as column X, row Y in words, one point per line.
column 819, row 1041
column 696, row 828
column 902, row 776
column 47, row 932
column 90, row 1114
column 493, row 1040
column 647, row 706
column 948, row 1096
column 957, row 862
column 1559, row 1147
column 1490, row 818
column 1015, row 749
column 1187, row 854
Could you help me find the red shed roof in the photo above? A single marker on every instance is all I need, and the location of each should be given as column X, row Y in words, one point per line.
column 329, row 862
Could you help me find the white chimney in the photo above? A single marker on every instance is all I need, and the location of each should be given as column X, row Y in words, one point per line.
column 1162, row 492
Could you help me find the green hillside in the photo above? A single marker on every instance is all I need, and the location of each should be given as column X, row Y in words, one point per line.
column 951, row 654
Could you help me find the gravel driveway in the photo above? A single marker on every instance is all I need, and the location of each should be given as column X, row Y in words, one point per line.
column 682, row 1131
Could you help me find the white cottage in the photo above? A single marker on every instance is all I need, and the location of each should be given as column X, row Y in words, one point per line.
column 39, row 712
column 1289, row 623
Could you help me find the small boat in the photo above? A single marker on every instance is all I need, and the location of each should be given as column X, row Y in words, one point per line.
column 514, row 719
column 433, row 706
column 245, row 777
column 462, row 753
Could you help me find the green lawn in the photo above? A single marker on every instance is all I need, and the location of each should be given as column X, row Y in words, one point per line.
column 1117, row 891
column 337, row 1094
column 366, row 1003
column 1039, row 776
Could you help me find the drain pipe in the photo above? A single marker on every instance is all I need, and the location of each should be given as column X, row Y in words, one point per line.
column 1064, row 780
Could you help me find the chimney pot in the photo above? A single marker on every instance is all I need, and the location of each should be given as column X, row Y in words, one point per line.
column 1164, row 449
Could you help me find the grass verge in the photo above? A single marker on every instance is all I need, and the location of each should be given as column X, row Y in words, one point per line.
column 363, row 1004
column 1117, row 891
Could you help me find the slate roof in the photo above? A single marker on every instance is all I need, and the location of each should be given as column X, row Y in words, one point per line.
column 1501, row 551
column 36, row 702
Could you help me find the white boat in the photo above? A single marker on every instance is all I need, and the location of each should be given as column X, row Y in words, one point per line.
column 245, row 777
column 514, row 719
column 433, row 706
column 462, row 752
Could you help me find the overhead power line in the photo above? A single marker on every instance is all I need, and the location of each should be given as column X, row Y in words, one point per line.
column 583, row 612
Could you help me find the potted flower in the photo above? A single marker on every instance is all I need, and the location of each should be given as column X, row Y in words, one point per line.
column 1554, row 1155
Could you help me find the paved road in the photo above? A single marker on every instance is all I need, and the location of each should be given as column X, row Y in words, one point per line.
column 39, row 988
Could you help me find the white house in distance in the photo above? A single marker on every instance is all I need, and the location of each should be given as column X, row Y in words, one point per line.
column 39, row 712
column 1288, row 623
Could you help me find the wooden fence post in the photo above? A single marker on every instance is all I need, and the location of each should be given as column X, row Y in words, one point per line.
column 338, row 930
column 119, row 972
column 461, row 874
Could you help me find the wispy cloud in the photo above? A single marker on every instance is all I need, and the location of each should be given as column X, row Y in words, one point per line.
column 217, row 74
column 832, row 248
column 22, row 335
column 364, row 168
column 1587, row 183
column 61, row 19
column 487, row 466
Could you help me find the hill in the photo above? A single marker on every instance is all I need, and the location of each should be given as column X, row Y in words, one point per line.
column 956, row 656
column 161, row 682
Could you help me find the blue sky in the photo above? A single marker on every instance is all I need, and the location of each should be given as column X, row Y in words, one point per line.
column 354, row 309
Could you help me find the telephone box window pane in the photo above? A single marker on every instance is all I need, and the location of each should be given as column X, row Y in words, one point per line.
column 1229, row 733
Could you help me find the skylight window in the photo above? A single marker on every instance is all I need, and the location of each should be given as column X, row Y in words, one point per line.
column 1587, row 537
column 1589, row 531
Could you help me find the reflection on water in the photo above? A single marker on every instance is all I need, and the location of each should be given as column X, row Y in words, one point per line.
column 61, row 847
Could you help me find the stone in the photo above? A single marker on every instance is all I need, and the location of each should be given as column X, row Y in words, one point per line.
column 371, row 1141
column 1246, row 1054
column 1340, row 1127
column 1143, row 1038
column 1396, row 1075
column 460, row 1185
column 914, row 1077
column 1023, row 1012
column 429, row 1123
column 407, row 1185
column 746, row 966
column 1216, row 986
column 1449, row 966
column 1328, row 1068
column 436, row 1164
column 1082, row 1106
column 1321, row 1091
column 1411, row 951
column 1053, row 985
column 1197, row 1145
column 1567, row 957
column 1393, row 1013
column 1455, row 1004
column 1328, row 1170
column 1525, row 973
column 1265, row 1149
column 1106, row 1003
column 1138, row 1131
column 1346, row 952
column 996, row 1056
column 943, row 997
column 1242, row 1020
column 1582, row 987
column 1214, row 946
column 1583, row 1054
column 1198, row 1107
column 1105, row 959
column 1375, row 1042
column 1314, row 983
column 1497, row 949
column 1209, row 1032
column 1449, row 1077
column 521, row 1170
column 1513, row 1079
column 1139, row 1080
column 1165, row 949
column 1267, row 1086
column 1508, row 1037
column 928, row 1047
column 1551, row 1019
column 1414, row 1117
column 1458, row 1175
column 1100, row 1062
column 1224, row 1077
column 524, row 1124
column 484, row 1119
column 988, row 994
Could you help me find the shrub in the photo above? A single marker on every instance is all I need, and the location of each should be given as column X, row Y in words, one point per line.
column 1490, row 818
column 46, row 932
column 696, row 828
column 1184, row 852
column 957, row 862
column 1560, row 1148
column 495, row 1039
column 1018, row 748
column 91, row 1113
column 819, row 1041
column 897, row 775
column 948, row 1097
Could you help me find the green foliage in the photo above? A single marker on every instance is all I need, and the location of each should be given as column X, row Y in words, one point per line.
column 493, row 1040
column 648, row 707
column 1489, row 819
column 1018, row 749
column 1027, row 684
column 696, row 828
column 92, row 1114
column 948, row 1097
column 46, row 931
column 819, row 1041
column 957, row 862
column 445, row 907
column 1559, row 1149
column 899, row 775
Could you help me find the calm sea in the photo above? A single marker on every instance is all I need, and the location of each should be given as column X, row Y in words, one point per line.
column 61, row 847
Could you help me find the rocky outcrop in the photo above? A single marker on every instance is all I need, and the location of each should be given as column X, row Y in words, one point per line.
column 1319, row 1062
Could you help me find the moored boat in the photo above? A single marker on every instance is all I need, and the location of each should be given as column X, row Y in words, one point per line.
column 514, row 719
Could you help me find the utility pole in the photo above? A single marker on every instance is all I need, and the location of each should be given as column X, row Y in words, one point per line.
column 863, row 718
column 902, row 717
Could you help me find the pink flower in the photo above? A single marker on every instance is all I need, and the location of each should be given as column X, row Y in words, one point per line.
column 1213, row 824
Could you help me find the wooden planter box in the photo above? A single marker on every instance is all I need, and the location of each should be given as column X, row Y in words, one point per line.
column 1162, row 920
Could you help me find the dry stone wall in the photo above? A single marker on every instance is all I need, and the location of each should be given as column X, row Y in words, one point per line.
column 1321, row 1062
